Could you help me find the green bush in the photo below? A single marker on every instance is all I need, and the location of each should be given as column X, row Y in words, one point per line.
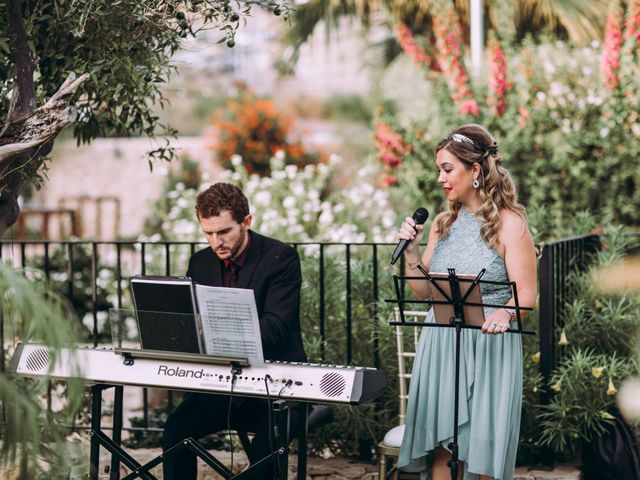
column 350, row 107
column 596, row 352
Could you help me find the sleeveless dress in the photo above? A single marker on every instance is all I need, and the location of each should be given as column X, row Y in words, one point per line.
column 490, row 372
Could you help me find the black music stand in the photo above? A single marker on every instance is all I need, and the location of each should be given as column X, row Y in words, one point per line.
column 461, row 304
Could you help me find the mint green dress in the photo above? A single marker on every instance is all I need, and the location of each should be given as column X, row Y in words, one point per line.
column 490, row 373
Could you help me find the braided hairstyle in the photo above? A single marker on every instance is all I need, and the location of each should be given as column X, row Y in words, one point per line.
column 471, row 144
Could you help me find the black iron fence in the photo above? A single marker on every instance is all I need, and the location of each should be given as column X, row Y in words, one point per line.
column 95, row 276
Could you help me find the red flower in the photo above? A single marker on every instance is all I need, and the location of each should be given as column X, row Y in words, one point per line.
column 498, row 82
column 390, row 145
column 449, row 41
column 410, row 46
column 612, row 46
column 388, row 180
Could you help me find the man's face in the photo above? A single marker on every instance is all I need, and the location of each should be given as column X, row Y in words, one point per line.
column 226, row 236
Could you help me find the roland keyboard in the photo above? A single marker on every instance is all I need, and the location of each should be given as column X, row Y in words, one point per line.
column 290, row 381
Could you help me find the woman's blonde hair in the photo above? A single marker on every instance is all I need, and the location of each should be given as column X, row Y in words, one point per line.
column 471, row 144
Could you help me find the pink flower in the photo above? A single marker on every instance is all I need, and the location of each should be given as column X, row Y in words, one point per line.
column 449, row 41
column 469, row 107
column 411, row 47
column 498, row 82
column 388, row 180
column 632, row 24
column 390, row 145
column 612, row 45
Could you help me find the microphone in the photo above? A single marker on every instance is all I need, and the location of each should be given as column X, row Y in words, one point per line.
column 419, row 216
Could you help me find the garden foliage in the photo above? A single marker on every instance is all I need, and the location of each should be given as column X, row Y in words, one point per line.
column 596, row 352
column 251, row 126
column 565, row 118
column 33, row 441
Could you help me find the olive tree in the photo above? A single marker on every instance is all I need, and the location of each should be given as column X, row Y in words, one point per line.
column 95, row 65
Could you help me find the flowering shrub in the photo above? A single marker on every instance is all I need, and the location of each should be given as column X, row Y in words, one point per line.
column 564, row 132
column 252, row 128
column 498, row 83
column 596, row 353
column 612, row 45
column 449, row 42
column 411, row 47
column 391, row 149
column 292, row 204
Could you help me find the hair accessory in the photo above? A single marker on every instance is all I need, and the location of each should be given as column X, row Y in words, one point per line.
column 459, row 137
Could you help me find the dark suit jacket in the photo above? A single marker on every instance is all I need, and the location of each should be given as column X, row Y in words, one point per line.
column 272, row 270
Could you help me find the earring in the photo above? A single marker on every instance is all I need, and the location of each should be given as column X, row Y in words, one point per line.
column 476, row 183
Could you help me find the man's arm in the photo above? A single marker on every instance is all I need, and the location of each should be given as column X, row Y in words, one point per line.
column 280, row 320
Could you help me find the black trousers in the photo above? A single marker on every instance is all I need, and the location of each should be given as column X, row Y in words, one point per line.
column 201, row 414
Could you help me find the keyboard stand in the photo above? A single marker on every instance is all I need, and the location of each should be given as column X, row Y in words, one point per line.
column 119, row 455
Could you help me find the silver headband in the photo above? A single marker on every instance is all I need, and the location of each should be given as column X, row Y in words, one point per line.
column 459, row 137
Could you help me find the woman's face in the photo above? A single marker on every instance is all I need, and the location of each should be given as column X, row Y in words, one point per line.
column 455, row 177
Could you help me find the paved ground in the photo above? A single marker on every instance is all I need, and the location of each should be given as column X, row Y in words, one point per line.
column 335, row 468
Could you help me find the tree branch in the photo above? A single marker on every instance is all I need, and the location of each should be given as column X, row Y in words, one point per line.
column 23, row 97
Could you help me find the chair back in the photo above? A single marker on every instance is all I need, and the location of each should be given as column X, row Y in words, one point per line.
column 406, row 345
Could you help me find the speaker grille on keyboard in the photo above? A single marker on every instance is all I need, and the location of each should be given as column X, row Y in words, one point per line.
column 332, row 384
column 38, row 360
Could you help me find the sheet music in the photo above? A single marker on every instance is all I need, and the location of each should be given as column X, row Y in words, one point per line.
column 230, row 323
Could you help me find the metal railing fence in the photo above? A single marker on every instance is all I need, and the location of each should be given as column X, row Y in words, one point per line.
column 91, row 268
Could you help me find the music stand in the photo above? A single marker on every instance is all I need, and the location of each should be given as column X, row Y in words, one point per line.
column 460, row 303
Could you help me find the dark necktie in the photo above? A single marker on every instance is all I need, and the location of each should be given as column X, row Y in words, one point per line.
column 234, row 267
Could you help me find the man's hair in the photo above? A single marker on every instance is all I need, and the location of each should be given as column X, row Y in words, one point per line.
column 219, row 197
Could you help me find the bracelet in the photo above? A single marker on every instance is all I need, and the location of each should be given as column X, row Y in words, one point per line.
column 512, row 315
column 413, row 266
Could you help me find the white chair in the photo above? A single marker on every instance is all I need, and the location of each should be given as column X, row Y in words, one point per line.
column 389, row 447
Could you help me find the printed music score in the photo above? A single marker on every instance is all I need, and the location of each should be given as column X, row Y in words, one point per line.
column 230, row 324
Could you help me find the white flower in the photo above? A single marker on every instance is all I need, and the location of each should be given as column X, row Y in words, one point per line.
column 262, row 197
column 335, row 159
column 635, row 128
column 236, row 160
column 312, row 250
column 604, row 131
column 388, row 219
column 291, row 171
column 292, row 214
column 295, row 229
column 297, row 189
column 279, row 175
column 326, row 217
column 556, row 88
column 549, row 67
column 280, row 155
column 289, row 202
column 182, row 202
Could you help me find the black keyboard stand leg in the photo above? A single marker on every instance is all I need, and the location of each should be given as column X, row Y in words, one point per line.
column 96, row 414
column 281, row 434
column 303, row 429
column 114, row 473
